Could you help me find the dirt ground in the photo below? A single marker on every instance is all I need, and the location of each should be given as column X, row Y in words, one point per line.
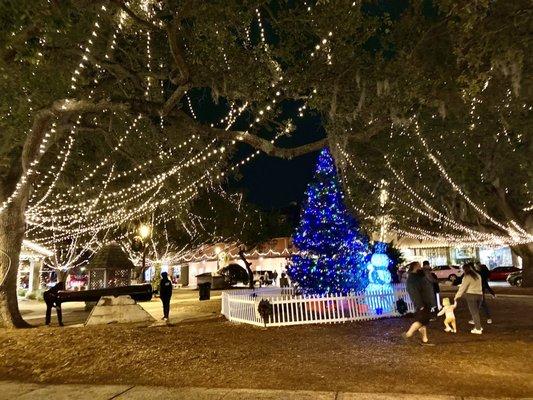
column 360, row 357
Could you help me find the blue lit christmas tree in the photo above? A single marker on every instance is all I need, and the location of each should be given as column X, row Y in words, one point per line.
column 332, row 249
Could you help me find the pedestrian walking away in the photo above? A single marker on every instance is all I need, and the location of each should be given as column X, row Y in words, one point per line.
column 483, row 271
column 434, row 281
column 283, row 281
column 51, row 299
column 421, row 293
column 472, row 289
column 165, row 294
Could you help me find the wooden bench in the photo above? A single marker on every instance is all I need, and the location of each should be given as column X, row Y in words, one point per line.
column 137, row 292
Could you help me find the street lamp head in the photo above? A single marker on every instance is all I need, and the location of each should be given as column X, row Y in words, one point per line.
column 144, row 231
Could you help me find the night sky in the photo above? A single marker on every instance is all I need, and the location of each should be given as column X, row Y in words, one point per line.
column 272, row 183
column 269, row 182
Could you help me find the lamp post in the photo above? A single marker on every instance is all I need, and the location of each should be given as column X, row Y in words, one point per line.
column 144, row 232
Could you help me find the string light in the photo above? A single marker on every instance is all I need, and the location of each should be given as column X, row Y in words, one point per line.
column 456, row 188
column 110, row 213
column 23, row 181
column 473, row 236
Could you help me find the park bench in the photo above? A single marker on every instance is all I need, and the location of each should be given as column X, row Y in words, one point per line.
column 137, row 292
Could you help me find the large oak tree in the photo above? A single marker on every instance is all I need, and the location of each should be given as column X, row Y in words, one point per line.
column 362, row 66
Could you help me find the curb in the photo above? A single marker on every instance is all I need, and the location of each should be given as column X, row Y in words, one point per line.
column 27, row 391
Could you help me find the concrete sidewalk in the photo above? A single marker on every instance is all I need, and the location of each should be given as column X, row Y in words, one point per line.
column 75, row 315
column 33, row 391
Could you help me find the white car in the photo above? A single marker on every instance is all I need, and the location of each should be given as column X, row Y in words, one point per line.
column 447, row 272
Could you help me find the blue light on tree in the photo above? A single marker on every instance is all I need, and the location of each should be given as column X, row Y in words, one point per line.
column 332, row 250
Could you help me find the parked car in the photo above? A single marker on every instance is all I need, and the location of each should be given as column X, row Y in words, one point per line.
column 501, row 273
column 515, row 278
column 447, row 272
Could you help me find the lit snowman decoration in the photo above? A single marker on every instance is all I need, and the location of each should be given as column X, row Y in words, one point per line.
column 378, row 268
column 379, row 279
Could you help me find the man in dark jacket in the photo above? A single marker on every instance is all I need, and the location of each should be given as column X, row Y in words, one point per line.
column 421, row 293
column 165, row 293
column 484, row 273
column 51, row 299
column 434, row 281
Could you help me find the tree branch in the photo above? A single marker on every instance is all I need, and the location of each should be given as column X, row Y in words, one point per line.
column 31, row 150
column 266, row 146
column 174, row 99
column 121, row 4
column 177, row 52
column 367, row 133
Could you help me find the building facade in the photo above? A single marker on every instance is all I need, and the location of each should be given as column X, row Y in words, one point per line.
column 31, row 267
column 270, row 256
column 445, row 254
column 274, row 255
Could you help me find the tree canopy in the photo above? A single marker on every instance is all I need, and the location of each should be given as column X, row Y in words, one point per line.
column 98, row 104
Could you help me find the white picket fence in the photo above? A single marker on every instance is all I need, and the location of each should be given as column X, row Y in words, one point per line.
column 291, row 309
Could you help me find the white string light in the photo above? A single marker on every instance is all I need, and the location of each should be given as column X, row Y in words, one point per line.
column 23, row 181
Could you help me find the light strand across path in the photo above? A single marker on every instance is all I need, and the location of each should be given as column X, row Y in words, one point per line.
column 456, row 187
column 23, row 181
column 125, row 208
column 472, row 236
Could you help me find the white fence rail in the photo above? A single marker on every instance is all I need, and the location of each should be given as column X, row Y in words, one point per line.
column 291, row 309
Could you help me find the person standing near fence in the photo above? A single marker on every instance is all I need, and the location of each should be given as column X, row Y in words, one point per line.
column 283, row 281
column 165, row 293
column 422, row 296
column 472, row 289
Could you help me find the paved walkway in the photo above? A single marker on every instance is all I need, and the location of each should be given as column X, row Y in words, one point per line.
column 33, row 391
column 74, row 314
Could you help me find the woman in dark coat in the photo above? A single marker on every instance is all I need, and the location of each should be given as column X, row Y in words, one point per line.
column 421, row 293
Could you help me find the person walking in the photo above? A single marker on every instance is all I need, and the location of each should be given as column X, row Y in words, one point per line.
column 393, row 270
column 483, row 271
column 275, row 278
column 51, row 299
column 472, row 289
column 421, row 293
column 165, row 293
column 435, row 290
column 283, row 281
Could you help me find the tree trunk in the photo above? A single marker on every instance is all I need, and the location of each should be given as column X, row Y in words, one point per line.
column 62, row 275
column 247, row 264
column 12, row 225
column 525, row 251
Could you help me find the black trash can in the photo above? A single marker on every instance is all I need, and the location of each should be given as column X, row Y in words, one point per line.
column 205, row 290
